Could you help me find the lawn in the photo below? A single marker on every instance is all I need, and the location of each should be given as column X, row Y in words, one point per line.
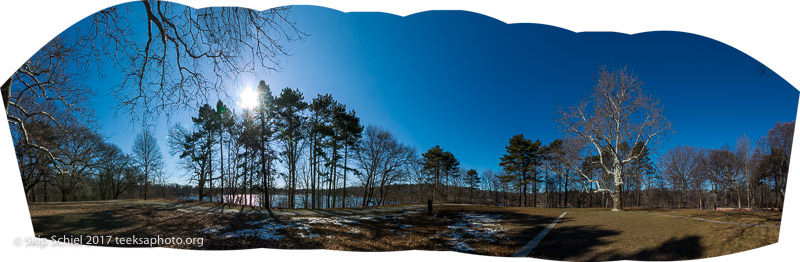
column 582, row 235
column 599, row 235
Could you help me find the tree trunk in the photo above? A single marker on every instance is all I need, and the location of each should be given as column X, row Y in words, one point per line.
column 267, row 186
column 616, row 198
column 221, row 165
column 145, row 182
column 701, row 201
column 45, row 190
column 250, row 186
column 344, row 179
column 565, row 190
column 523, row 200
column 292, row 178
column 535, row 189
column 6, row 92
column 311, row 159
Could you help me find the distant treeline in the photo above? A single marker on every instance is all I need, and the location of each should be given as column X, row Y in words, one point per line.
column 319, row 154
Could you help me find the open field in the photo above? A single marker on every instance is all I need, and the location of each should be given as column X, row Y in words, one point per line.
column 582, row 235
column 596, row 234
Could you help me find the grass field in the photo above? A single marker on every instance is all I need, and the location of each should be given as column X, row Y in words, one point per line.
column 582, row 235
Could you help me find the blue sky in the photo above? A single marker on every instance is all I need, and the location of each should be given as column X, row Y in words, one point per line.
column 468, row 82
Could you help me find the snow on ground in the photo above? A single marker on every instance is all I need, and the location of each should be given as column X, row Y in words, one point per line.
column 480, row 227
column 266, row 233
column 392, row 220
column 214, row 230
column 462, row 247
column 467, row 228
column 307, row 235
column 339, row 221
column 412, row 212
column 268, row 229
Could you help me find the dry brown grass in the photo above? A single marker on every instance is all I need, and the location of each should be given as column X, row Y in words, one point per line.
column 582, row 235
column 599, row 235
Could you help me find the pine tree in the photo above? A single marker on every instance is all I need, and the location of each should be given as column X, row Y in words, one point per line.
column 195, row 147
column 319, row 134
column 520, row 162
column 474, row 181
column 266, row 112
column 351, row 129
column 249, row 139
column 439, row 164
column 290, row 120
column 223, row 118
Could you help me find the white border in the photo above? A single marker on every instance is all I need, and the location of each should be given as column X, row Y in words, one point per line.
column 765, row 30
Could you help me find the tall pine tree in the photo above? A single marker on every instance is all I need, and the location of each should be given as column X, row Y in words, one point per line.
column 439, row 164
column 520, row 163
column 290, row 120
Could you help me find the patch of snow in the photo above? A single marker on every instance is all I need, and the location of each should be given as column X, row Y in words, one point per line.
column 304, row 235
column 259, row 222
column 461, row 246
column 339, row 221
column 262, row 233
column 360, row 217
column 411, row 212
column 267, row 231
column 458, row 225
column 213, row 230
column 480, row 227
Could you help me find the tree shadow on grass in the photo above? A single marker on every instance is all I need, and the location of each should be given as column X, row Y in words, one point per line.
column 583, row 243
column 85, row 224
column 119, row 221
column 684, row 248
column 762, row 218
column 572, row 242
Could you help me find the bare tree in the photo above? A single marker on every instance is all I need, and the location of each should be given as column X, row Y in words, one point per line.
column 42, row 93
column 147, row 156
column 78, row 152
column 678, row 164
column 779, row 139
column 114, row 171
column 187, row 53
column 723, row 169
column 565, row 161
column 417, row 176
column 747, row 165
column 698, row 179
column 381, row 158
column 618, row 112
column 774, row 152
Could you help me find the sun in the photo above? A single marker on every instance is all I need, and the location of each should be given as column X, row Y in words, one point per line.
column 249, row 98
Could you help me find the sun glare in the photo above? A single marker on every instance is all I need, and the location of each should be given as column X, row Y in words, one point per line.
column 249, row 98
